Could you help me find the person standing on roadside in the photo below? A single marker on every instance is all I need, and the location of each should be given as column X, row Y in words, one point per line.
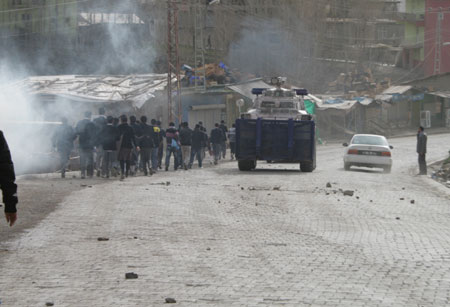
column 146, row 145
column 85, row 130
column 115, row 164
column 63, row 144
column 173, row 146
column 223, row 145
column 156, row 141
column 186, row 142
column 108, row 140
column 135, row 156
column 216, row 140
column 422, row 150
column 100, row 123
column 162, row 135
column 198, row 138
column 232, row 139
column 205, row 144
column 7, row 182
column 126, row 146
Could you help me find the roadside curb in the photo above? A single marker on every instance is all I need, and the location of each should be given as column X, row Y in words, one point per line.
column 434, row 181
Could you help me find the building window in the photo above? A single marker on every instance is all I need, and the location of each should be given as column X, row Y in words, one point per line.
column 383, row 33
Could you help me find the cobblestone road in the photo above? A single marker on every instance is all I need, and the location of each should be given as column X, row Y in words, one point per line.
column 220, row 237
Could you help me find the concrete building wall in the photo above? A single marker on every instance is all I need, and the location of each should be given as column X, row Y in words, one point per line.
column 413, row 43
column 402, row 6
column 27, row 18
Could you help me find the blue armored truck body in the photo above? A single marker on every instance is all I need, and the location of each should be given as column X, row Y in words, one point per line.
column 275, row 140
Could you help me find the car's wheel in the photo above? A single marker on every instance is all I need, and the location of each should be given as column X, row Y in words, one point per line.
column 307, row 167
column 269, row 161
column 387, row 169
column 246, row 165
column 347, row 166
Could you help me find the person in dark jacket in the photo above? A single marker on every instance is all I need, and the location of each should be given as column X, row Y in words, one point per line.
column 135, row 156
column 198, row 139
column 232, row 139
column 146, row 144
column 100, row 123
column 7, row 182
column 108, row 140
column 156, row 140
column 86, row 132
column 173, row 146
column 127, row 144
column 185, row 141
column 115, row 164
column 63, row 144
column 223, row 145
column 205, row 144
column 216, row 140
column 422, row 150
column 162, row 135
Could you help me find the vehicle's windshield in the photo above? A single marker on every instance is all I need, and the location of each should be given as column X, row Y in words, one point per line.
column 287, row 104
column 369, row 140
column 268, row 104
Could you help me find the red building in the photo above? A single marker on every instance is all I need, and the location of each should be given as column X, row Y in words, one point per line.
column 437, row 37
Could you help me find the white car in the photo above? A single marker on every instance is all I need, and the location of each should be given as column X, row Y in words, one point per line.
column 368, row 150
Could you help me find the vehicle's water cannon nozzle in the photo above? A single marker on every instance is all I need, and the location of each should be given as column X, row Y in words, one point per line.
column 278, row 81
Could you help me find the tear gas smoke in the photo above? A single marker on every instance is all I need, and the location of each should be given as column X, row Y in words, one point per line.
column 28, row 122
column 268, row 48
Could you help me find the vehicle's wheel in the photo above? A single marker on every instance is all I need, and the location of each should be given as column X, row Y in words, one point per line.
column 269, row 161
column 246, row 165
column 347, row 166
column 387, row 169
column 307, row 167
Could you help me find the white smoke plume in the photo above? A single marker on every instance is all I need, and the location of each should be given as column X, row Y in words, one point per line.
column 28, row 124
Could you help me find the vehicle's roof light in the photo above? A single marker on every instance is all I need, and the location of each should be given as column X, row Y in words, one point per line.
column 258, row 91
column 301, row 91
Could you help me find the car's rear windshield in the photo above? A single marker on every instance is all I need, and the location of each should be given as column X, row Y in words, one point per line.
column 369, row 140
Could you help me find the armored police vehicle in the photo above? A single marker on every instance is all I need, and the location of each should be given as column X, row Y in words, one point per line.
column 276, row 128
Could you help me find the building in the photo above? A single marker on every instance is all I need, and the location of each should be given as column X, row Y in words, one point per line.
column 437, row 37
column 72, row 95
column 413, row 44
column 402, row 6
column 434, row 109
column 34, row 19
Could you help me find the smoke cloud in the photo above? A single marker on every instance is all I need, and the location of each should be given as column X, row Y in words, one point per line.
column 287, row 48
column 116, row 43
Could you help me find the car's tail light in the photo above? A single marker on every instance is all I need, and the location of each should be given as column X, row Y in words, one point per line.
column 352, row 152
column 386, row 154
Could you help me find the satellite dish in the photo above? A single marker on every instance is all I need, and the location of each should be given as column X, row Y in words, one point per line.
column 240, row 102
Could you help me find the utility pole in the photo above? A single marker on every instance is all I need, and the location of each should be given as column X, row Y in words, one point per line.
column 173, row 60
column 438, row 44
column 199, row 50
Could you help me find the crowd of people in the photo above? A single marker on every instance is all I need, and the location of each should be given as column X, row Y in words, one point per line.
column 110, row 146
